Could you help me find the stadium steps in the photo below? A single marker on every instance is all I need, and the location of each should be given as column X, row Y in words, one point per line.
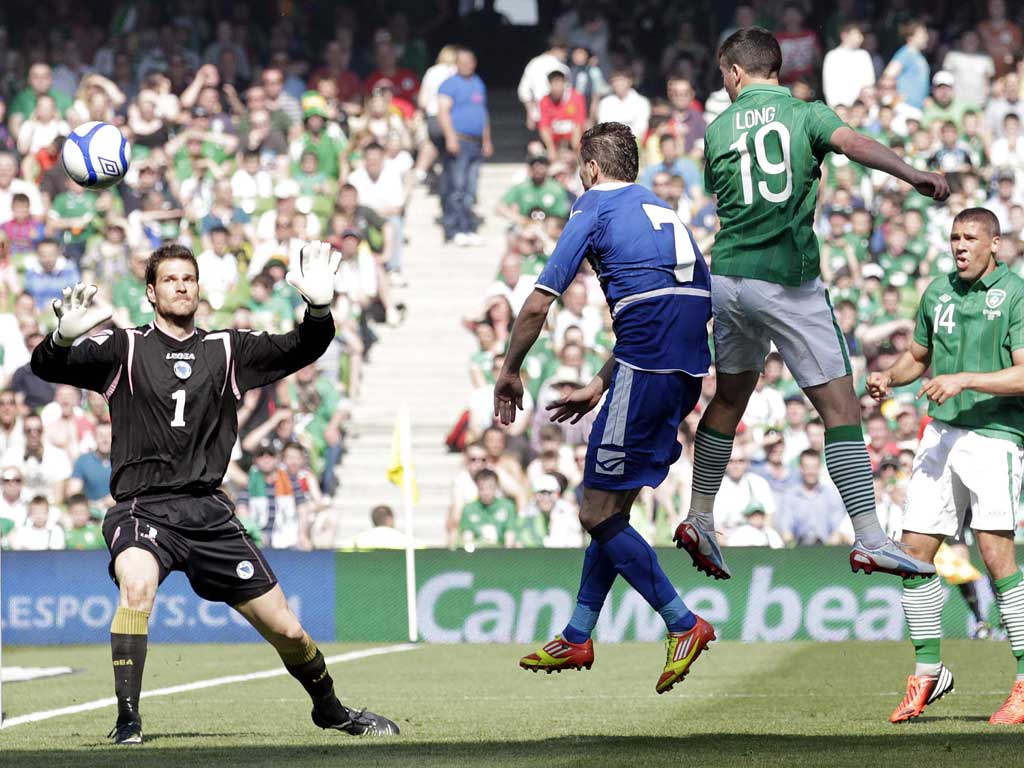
column 425, row 361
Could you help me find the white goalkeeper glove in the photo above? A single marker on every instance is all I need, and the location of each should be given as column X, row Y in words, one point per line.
column 313, row 276
column 77, row 314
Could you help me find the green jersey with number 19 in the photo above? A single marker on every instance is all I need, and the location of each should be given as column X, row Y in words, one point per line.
column 975, row 328
column 763, row 158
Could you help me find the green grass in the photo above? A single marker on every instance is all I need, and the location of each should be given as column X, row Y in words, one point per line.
column 744, row 705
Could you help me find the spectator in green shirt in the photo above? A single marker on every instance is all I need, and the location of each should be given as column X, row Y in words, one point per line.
column 40, row 81
column 489, row 521
column 131, row 306
column 323, row 139
column 538, row 194
column 84, row 533
column 270, row 311
column 74, row 214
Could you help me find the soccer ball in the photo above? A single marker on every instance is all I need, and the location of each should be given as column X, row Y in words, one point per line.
column 96, row 155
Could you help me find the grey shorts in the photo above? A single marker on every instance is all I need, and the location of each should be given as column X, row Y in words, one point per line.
column 751, row 315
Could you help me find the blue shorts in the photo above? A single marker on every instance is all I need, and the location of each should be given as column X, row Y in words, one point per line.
column 633, row 441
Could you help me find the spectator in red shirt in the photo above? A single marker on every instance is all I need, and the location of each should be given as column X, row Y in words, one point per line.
column 406, row 84
column 563, row 114
column 336, row 66
column 23, row 230
column 801, row 49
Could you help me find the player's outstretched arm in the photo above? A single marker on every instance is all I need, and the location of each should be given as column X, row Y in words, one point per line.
column 91, row 365
column 508, row 388
column 910, row 367
column 262, row 358
column 869, row 152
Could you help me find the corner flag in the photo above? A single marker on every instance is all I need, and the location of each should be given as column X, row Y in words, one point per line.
column 401, row 455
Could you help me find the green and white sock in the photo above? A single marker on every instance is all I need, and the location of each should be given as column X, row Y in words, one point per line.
column 1010, row 598
column 849, row 466
column 922, row 605
column 711, row 452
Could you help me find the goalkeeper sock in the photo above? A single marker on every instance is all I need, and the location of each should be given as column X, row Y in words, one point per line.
column 711, row 452
column 970, row 595
column 922, row 605
column 306, row 664
column 128, row 641
column 849, row 466
column 1010, row 598
column 598, row 576
column 635, row 560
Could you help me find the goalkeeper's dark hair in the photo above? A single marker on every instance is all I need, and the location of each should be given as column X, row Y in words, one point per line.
column 167, row 253
column 755, row 49
column 613, row 147
column 983, row 217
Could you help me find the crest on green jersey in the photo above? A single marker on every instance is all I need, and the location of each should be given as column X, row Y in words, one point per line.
column 994, row 297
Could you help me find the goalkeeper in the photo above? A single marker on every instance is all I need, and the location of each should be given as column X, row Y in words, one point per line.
column 173, row 391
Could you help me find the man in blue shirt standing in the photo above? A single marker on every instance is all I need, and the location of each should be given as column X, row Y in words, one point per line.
column 91, row 474
column 658, row 290
column 462, row 115
column 910, row 67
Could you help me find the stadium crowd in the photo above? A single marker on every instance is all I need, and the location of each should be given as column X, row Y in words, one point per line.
column 945, row 93
column 248, row 141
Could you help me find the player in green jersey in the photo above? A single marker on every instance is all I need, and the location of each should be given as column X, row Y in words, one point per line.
column 970, row 331
column 763, row 159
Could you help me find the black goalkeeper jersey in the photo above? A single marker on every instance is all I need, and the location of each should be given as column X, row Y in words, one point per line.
column 173, row 404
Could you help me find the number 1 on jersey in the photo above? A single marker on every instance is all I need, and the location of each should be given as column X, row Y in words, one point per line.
column 179, row 408
column 685, row 256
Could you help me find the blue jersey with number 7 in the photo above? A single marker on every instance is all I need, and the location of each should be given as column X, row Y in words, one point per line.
column 653, row 275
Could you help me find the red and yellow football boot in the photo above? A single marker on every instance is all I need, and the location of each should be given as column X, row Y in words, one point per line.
column 560, row 654
column 682, row 650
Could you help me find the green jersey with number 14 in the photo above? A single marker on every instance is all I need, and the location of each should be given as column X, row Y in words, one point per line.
column 975, row 328
column 763, row 160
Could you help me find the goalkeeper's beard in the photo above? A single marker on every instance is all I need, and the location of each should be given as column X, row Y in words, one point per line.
column 178, row 313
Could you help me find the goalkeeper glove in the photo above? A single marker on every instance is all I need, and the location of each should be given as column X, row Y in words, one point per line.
column 77, row 314
column 314, row 277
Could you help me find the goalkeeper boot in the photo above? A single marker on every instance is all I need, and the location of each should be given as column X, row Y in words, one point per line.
column 922, row 690
column 1012, row 711
column 681, row 650
column 560, row 654
column 703, row 549
column 355, row 722
column 126, row 732
column 891, row 557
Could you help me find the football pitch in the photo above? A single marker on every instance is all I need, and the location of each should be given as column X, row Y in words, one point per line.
column 783, row 704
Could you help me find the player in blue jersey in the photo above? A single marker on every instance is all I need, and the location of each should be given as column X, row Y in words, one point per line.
column 658, row 290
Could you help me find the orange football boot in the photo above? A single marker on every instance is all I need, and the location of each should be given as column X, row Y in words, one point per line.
column 1012, row 711
column 922, row 690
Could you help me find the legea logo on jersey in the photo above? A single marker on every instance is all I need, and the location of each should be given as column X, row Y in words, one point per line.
column 180, row 356
column 244, row 570
column 182, row 370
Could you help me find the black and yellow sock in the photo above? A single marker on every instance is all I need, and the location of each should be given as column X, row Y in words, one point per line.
column 128, row 635
column 306, row 664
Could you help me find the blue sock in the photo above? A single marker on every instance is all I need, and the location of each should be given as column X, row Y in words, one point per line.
column 596, row 582
column 637, row 562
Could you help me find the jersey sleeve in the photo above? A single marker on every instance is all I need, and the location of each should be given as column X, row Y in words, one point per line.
column 263, row 358
column 572, row 247
column 92, row 362
column 709, row 179
column 821, row 123
column 1016, row 324
column 923, row 326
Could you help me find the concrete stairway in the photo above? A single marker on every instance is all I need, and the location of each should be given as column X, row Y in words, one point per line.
column 425, row 361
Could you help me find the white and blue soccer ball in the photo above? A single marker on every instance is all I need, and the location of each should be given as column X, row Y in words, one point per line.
column 96, row 155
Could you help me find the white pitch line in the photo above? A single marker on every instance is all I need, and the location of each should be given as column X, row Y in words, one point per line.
column 213, row 682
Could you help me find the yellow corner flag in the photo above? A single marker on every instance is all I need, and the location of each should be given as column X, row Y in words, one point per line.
column 401, row 455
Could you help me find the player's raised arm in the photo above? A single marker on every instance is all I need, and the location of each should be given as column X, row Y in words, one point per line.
column 869, row 152
column 92, row 364
column 265, row 358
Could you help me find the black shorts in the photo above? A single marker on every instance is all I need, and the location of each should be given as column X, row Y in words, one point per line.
column 198, row 535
